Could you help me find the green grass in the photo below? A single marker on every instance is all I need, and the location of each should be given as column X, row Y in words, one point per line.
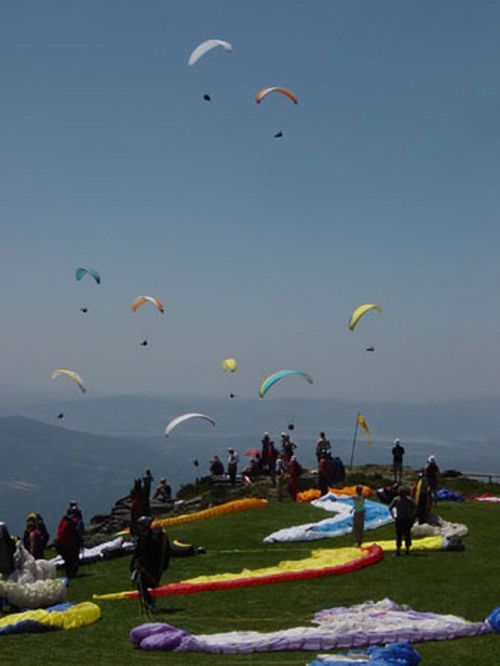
column 464, row 583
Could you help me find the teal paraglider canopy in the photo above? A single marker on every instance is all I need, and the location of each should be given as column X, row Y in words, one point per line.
column 271, row 380
column 82, row 271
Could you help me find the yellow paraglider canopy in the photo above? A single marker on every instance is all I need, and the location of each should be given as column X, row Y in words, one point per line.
column 58, row 372
column 360, row 311
column 229, row 365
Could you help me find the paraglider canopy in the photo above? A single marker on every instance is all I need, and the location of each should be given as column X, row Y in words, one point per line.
column 360, row 311
column 81, row 271
column 140, row 300
column 186, row 417
column 277, row 376
column 229, row 364
column 264, row 92
column 72, row 375
column 207, row 46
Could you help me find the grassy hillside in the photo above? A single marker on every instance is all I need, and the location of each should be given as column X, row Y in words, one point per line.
column 465, row 583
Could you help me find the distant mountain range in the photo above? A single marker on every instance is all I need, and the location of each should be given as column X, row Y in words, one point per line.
column 477, row 420
column 43, row 467
column 100, row 445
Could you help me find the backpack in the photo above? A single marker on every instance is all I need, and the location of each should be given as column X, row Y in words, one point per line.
column 338, row 469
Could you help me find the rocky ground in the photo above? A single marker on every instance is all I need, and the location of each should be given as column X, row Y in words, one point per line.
column 209, row 491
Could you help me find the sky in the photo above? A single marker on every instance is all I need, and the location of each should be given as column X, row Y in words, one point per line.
column 383, row 189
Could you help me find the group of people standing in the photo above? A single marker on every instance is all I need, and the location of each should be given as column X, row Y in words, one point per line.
column 330, row 468
column 140, row 497
column 280, row 465
column 36, row 535
column 35, row 540
column 407, row 506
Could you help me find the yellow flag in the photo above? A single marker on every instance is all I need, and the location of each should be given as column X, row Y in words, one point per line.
column 362, row 422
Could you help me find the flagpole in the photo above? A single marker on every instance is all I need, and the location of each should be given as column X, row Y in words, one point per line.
column 354, row 439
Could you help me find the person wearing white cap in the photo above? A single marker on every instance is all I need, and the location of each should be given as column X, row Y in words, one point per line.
column 397, row 460
column 432, row 473
column 232, row 465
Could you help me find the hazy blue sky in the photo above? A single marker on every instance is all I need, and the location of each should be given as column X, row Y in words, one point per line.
column 383, row 189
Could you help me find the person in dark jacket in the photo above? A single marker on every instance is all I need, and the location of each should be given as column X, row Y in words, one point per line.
column 137, row 506
column 216, row 466
column 151, row 557
column 232, row 465
column 7, row 549
column 423, row 498
column 147, row 480
column 403, row 509
column 294, row 471
column 325, row 473
column 397, row 460
column 432, row 474
column 68, row 543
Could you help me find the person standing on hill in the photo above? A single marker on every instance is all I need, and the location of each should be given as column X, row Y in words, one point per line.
column 216, row 466
column 272, row 456
column 153, row 550
column 69, row 541
column 36, row 536
column 281, row 472
column 358, row 519
column 147, row 481
column 264, row 454
column 149, row 561
column 136, row 504
column 432, row 475
column 423, row 499
column 7, row 549
column 403, row 510
column 325, row 473
column 232, row 465
column 323, row 446
column 397, row 461
column 294, row 471
column 33, row 538
column 287, row 447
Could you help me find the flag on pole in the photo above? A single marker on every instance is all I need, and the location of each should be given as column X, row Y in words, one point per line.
column 362, row 422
